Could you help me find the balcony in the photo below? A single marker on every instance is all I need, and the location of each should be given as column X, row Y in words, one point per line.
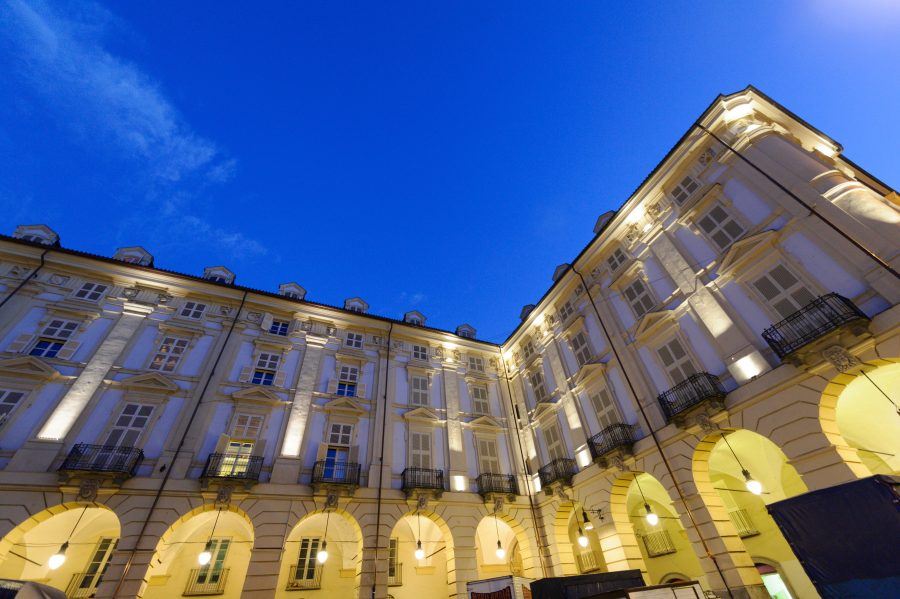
column 743, row 523
column 395, row 575
column 330, row 472
column 823, row 318
column 110, row 460
column 503, row 484
column 658, row 543
column 416, row 479
column 232, row 467
column 588, row 561
column 616, row 437
column 559, row 470
column 206, row 581
column 304, row 578
column 693, row 391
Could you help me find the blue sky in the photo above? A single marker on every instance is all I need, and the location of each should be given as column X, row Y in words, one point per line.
column 443, row 157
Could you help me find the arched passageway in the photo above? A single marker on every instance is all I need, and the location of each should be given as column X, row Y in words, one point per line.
column 497, row 549
column 421, row 547
column 67, row 546
column 585, row 542
column 207, row 551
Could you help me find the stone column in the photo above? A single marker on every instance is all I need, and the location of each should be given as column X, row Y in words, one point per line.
column 577, row 432
column 457, row 458
column 270, row 531
column 383, row 409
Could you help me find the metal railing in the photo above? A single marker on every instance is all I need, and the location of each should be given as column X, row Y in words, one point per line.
column 588, row 561
column 422, row 478
column 559, row 469
column 233, row 466
column 743, row 523
column 819, row 317
column 338, row 473
column 206, row 581
column 497, row 483
column 299, row 579
column 612, row 437
column 84, row 457
column 83, row 584
column 658, row 543
column 690, row 392
column 395, row 575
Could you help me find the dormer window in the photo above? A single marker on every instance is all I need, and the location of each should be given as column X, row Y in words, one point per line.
column 682, row 192
column 356, row 304
column 616, row 259
column 292, row 290
column 465, row 330
column 218, row 274
column 134, row 255
column 36, row 234
column 414, row 318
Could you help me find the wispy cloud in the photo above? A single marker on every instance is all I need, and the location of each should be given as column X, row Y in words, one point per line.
column 111, row 104
column 412, row 298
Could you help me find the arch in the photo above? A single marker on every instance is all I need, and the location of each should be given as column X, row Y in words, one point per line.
column 531, row 566
column 497, row 527
column 588, row 556
column 231, row 532
column 563, row 555
column 91, row 531
column 434, row 575
column 671, row 577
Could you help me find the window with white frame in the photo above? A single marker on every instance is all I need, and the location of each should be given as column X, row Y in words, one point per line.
column 639, row 298
column 393, row 557
column 91, row 292
column 306, row 559
column 684, row 189
column 676, row 361
column 129, row 426
column 214, row 571
column 605, row 407
column 488, row 457
column 556, row 449
column 480, row 403
column 536, row 378
column 348, row 379
column 280, row 327
column 616, row 259
column 783, row 291
column 720, row 227
column 53, row 337
column 418, row 390
column 340, row 434
column 419, row 449
column 96, row 568
column 193, row 310
column 581, row 348
column 354, row 340
column 246, row 426
column 169, row 354
column 9, row 401
column 476, row 363
column 266, row 368
column 565, row 311
column 420, row 352
column 528, row 349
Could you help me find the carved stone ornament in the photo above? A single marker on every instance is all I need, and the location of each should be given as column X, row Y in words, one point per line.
column 498, row 505
column 130, row 292
column 550, row 319
column 631, row 234
column 54, row 279
column 596, row 273
column 840, row 358
column 439, row 353
column 653, row 210
column 331, row 330
column 306, row 326
column 254, row 317
column 164, row 298
column 618, row 462
column 579, row 290
column 376, row 339
column 88, row 489
column 223, row 495
column 225, row 310
column 422, row 502
column 707, row 157
column 705, row 424
column 456, row 355
column 493, row 363
column 331, row 501
column 397, row 345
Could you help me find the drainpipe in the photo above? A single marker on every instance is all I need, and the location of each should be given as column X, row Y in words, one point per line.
column 26, row 279
column 656, row 442
column 181, row 441
column 384, row 417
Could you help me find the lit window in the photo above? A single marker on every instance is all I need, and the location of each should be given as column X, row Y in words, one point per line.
column 266, row 367
column 720, row 227
column 169, row 354
column 193, row 310
column 565, row 311
column 783, row 291
column 91, row 292
column 537, row 383
column 639, row 298
column 354, row 340
column 616, row 259
column 676, row 361
column 480, row 403
column 476, row 363
column 419, row 352
column 418, row 395
column 348, row 378
column 280, row 327
column 307, row 567
column 683, row 191
column 580, row 348
column 9, row 401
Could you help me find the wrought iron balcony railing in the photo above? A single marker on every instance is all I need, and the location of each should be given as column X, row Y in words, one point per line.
column 560, row 469
column 335, row 473
column 658, row 543
column 232, row 466
column 497, row 483
column 743, row 523
column 304, row 577
column 423, row 478
column 612, row 437
column 689, row 393
column 588, row 561
column 103, row 458
column 206, row 581
column 395, row 575
column 816, row 319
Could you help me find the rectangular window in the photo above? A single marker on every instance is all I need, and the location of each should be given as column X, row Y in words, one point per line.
column 169, row 354
column 419, row 352
column 676, row 361
column 480, row 404
column 129, row 425
column 97, row 567
column 580, row 348
column 91, row 292
column 348, row 378
column 418, row 391
column 537, row 383
column 53, row 337
column 616, row 259
column 46, row 348
column 528, row 349
column 193, row 310
column 280, row 327
column 237, row 457
column 605, row 408
column 212, row 572
column 9, row 401
column 340, row 434
column 306, row 560
column 488, row 459
column 684, row 190
column 565, row 311
column 246, row 426
column 393, row 564
column 420, row 450
column 639, row 298
column 476, row 363
column 555, row 446
column 266, row 367
column 720, row 227
column 783, row 291
column 354, row 340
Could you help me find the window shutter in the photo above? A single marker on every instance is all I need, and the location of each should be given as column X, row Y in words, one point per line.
column 361, row 390
column 266, row 322
column 280, row 377
column 322, row 451
column 68, row 350
column 354, row 454
column 245, row 374
column 332, row 385
column 222, row 443
column 20, row 343
column 259, row 447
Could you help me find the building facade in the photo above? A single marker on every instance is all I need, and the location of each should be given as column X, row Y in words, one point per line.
column 728, row 338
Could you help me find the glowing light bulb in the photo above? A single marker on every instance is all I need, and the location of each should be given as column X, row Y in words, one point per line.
column 652, row 519
column 501, row 553
column 322, row 555
column 754, row 486
column 588, row 525
column 206, row 555
column 420, row 553
column 59, row 558
column 582, row 540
